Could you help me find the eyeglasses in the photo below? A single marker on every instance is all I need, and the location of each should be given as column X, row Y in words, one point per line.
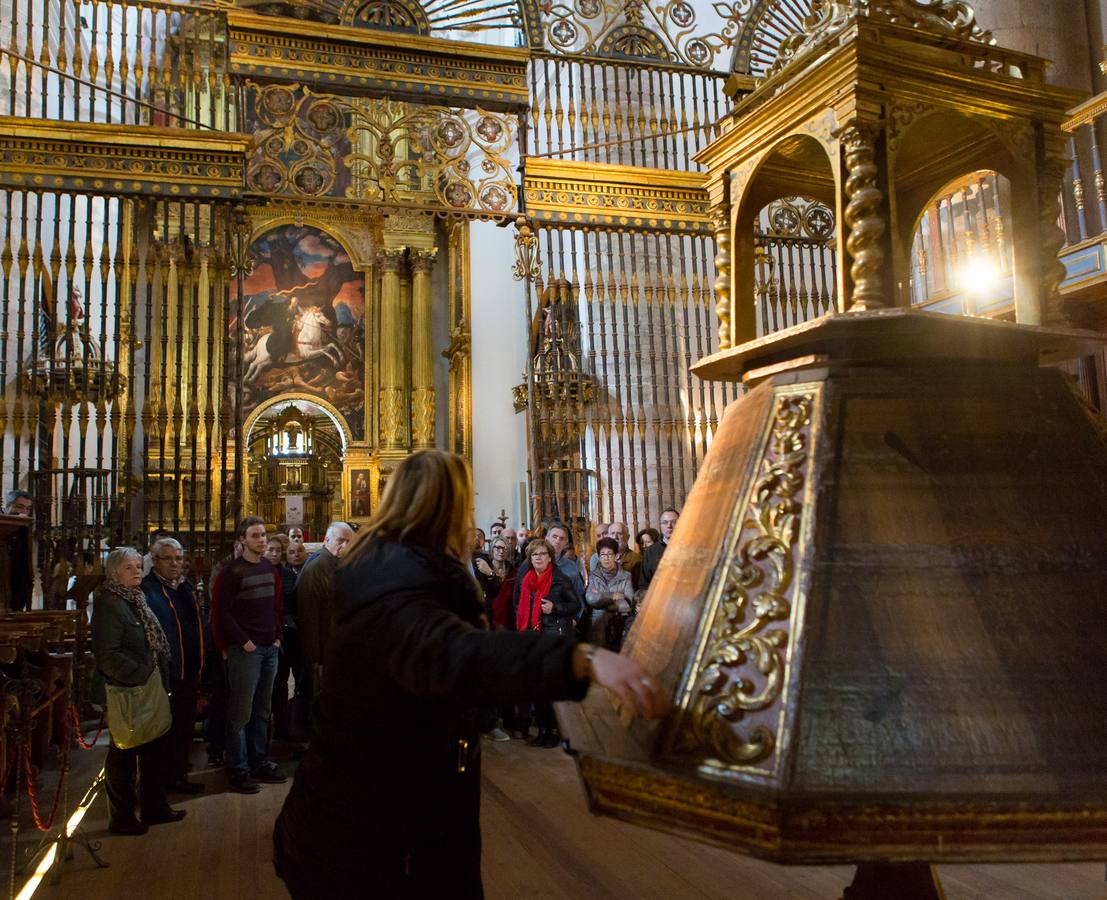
column 607, row 554
column 541, row 553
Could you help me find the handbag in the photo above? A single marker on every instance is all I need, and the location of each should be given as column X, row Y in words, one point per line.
column 138, row 714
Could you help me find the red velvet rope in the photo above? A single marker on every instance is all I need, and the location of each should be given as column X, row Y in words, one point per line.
column 57, row 792
column 77, row 728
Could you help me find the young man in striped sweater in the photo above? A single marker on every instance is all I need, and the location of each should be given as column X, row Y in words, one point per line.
column 248, row 611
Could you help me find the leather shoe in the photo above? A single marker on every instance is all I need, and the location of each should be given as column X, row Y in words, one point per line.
column 132, row 827
column 243, row 784
column 184, row 786
column 165, row 816
column 269, row 773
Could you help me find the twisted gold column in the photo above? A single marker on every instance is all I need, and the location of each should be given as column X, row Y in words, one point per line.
column 422, row 351
column 865, row 219
column 391, row 406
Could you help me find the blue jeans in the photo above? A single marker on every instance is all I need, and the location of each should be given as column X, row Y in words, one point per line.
column 249, row 694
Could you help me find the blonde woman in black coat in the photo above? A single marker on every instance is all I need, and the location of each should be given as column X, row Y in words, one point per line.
column 386, row 802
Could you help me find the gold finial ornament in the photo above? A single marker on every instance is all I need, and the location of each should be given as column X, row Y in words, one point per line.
column 528, row 263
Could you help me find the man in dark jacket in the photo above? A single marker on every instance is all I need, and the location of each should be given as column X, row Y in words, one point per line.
column 315, row 608
column 651, row 559
column 248, row 612
column 171, row 598
column 480, row 565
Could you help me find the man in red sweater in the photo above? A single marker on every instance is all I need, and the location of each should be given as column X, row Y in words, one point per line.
column 248, row 612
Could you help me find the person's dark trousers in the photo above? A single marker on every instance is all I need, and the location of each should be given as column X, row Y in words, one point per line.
column 149, row 762
column 489, row 718
column 280, row 705
column 544, row 718
column 300, row 708
column 182, row 707
column 215, row 726
column 250, row 677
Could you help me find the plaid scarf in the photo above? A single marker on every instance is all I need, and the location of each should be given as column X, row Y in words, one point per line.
column 155, row 637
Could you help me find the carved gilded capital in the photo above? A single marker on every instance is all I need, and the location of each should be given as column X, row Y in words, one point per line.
column 422, row 261
column 391, row 261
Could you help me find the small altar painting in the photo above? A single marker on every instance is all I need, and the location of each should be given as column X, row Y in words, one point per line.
column 361, row 505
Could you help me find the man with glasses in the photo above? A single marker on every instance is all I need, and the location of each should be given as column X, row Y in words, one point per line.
column 173, row 601
column 651, row 559
column 18, row 503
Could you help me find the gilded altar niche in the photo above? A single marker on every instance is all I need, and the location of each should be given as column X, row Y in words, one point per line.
column 340, row 310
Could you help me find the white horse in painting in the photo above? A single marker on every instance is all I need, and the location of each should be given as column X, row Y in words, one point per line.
column 278, row 348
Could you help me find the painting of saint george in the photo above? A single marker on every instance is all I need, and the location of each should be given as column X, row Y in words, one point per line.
column 303, row 317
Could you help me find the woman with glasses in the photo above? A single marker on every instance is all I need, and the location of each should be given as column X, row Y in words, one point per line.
column 504, row 569
column 547, row 603
column 609, row 597
column 130, row 648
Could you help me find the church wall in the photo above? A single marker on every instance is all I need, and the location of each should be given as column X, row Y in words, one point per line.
column 1056, row 29
column 499, row 355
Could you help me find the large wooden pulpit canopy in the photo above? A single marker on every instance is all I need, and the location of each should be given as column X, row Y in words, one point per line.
column 880, row 619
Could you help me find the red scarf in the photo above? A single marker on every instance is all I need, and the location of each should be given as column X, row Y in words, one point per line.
column 533, row 592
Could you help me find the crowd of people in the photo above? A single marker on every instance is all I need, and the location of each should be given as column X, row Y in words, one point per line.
column 268, row 616
column 267, row 622
column 543, row 582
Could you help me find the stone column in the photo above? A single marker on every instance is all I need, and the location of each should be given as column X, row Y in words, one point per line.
column 391, row 408
column 422, row 351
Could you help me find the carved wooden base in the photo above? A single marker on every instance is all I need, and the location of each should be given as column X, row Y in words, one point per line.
column 903, row 881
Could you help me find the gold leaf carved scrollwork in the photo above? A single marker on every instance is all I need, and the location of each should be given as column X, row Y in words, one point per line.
column 391, row 401
column 422, row 417
column 634, row 29
column 744, row 666
column 310, row 144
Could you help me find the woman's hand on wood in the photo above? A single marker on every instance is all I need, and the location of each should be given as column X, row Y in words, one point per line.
column 630, row 683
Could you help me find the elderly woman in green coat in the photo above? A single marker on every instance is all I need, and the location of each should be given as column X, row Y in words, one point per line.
column 128, row 644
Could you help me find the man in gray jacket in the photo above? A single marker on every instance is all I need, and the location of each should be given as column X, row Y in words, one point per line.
column 315, row 598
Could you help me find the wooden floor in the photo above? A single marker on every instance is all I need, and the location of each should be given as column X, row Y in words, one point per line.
column 539, row 842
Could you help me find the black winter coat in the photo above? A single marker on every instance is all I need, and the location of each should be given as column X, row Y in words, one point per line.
column 386, row 802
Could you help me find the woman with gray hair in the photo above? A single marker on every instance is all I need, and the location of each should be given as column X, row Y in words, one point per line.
column 129, row 646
